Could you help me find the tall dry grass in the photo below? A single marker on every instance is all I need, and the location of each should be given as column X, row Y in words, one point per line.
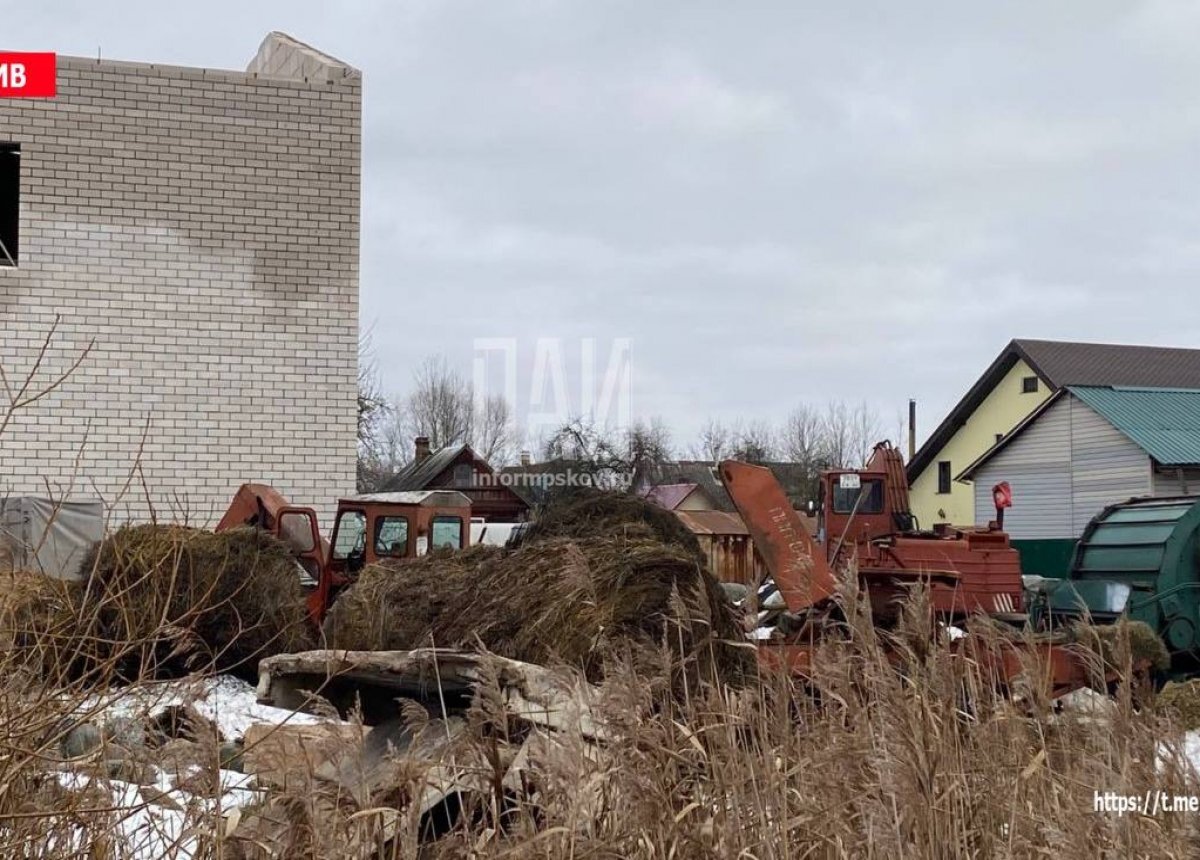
column 864, row 759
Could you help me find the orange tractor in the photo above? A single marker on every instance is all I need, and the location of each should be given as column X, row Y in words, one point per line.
column 866, row 526
column 368, row 528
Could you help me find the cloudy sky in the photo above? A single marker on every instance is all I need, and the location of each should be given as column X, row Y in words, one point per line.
column 776, row 202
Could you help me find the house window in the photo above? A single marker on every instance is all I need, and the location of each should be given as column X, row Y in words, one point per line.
column 1029, row 385
column 944, row 476
column 10, row 201
column 462, row 475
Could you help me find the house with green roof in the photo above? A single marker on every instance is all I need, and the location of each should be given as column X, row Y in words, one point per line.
column 1084, row 448
column 1022, row 378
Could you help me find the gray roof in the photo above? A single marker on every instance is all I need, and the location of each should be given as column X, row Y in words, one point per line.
column 1062, row 363
column 432, row 498
column 417, row 475
column 1107, row 364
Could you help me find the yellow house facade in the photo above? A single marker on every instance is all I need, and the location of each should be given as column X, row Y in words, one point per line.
column 936, row 496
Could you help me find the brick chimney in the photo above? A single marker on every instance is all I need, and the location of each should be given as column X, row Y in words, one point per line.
column 421, row 444
column 525, row 458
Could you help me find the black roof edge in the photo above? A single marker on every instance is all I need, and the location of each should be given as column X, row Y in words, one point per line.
column 970, row 402
column 1010, row 436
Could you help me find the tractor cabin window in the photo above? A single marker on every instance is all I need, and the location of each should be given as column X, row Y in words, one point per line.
column 10, row 202
column 944, row 477
column 447, row 533
column 350, row 535
column 1029, row 385
column 872, row 498
column 391, row 536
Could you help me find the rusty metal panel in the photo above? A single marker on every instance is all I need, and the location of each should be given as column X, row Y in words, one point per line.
column 795, row 560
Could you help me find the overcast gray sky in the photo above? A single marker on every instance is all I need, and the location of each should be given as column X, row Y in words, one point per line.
column 777, row 201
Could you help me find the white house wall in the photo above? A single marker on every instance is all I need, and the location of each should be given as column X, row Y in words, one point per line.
column 1064, row 469
column 1107, row 466
column 1037, row 465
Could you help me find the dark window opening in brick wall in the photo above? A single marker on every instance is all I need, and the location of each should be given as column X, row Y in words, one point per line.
column 10, row 202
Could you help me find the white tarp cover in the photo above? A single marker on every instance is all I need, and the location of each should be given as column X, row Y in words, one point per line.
column 50, row 536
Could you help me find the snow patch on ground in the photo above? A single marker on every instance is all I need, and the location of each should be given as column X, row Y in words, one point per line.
column 233, row 705
column 153, row 822
column 230, row 703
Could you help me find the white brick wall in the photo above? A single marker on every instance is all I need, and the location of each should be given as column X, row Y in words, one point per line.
column 202, row 228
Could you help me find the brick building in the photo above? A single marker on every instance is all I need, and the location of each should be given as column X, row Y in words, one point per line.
column 202, row 228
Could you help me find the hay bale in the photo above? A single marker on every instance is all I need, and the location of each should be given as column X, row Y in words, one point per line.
column 585, row 512
column 169, row 599
column 39, row 628
column 1110, row 642
column 1182, row 702
column 567, row 601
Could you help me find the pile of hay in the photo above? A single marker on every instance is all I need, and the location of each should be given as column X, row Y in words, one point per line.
column 560, row 598
column 167, row 600
column 39, row 626
column 585, row 512
column 1182, row 701
column 1114, row 641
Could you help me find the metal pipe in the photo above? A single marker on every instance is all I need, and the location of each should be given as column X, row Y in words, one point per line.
column 912, row 429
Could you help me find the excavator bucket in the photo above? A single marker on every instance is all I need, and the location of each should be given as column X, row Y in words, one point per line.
column 795, row 559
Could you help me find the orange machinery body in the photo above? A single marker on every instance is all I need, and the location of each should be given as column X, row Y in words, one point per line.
column 869, row 522
column 368, row 528
column 888, row 565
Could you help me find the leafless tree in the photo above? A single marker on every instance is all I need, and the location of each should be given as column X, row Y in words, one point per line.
column 592, row 449
column 850, row 432
column 390, row 449
column 803, row 437
column 715, row 442
column 803, row 442
column 649, row 442
column 440, row 405
column 22, row 393
column 373, row 413
column 494, row 433
column 371, row 403
column 754, row 442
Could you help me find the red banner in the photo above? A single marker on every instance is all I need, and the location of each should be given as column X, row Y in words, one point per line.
column 25, row 75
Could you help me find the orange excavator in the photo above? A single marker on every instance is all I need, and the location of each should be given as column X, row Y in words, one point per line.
column 867, row 530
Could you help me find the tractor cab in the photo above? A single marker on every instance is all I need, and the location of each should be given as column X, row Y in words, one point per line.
column 858, row 506
column 261, row 506
column 853, row 506
column 377, row 526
